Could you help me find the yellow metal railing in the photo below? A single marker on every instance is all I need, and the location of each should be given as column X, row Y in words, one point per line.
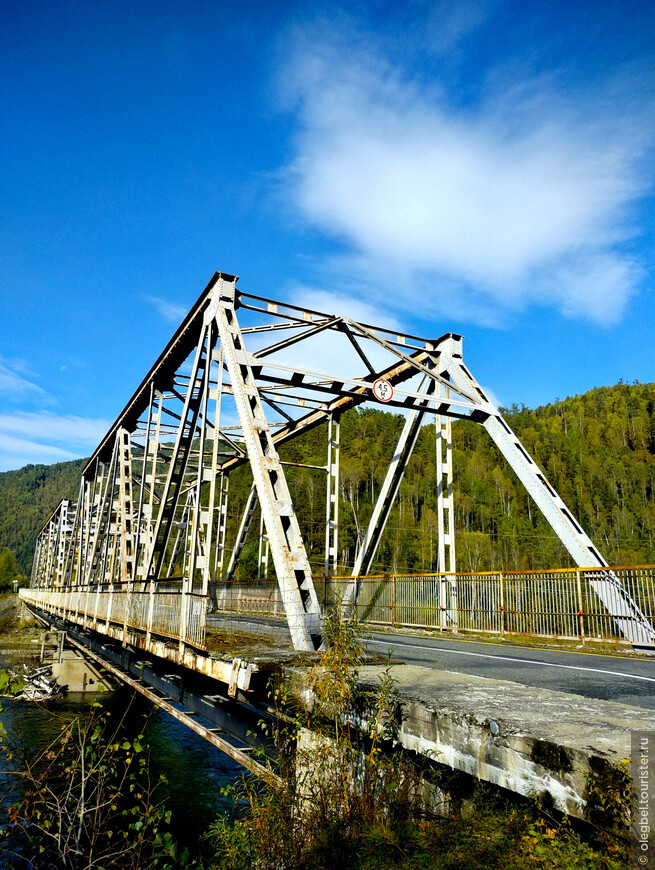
column 560, row 603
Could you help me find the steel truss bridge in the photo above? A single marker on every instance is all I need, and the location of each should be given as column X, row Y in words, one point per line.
column 139, row 553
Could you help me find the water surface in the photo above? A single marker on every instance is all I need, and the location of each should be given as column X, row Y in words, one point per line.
column 195, row 770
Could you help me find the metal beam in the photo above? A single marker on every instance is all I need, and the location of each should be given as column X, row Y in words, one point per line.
column 629, row 619
column 445, row 506
column 242, row 533
column 386, row 497
column 287, row 549
column 332, row 499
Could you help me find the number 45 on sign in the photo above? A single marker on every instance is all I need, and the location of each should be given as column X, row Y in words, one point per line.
column 382, row 390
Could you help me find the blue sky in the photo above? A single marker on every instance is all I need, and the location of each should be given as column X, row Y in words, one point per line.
column 484, row 168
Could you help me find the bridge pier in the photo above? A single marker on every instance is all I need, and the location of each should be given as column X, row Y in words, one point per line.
column 562, row 748
column 78, row 674
column 69, row 667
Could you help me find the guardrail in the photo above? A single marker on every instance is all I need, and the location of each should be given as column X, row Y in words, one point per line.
column 562, row 603
column 166, row 614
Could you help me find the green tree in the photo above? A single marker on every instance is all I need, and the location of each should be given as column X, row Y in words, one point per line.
column 8, row 570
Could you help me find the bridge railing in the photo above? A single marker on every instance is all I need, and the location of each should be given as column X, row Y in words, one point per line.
column 113, row 609
column 562, row 603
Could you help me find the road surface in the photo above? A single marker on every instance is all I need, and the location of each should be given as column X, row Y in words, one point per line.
column 627, row 679
column 623, row 678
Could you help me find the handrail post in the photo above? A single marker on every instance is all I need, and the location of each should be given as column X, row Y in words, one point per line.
column 151, row 611
column 393, row 600
column 580, row 606
column 96, row 604
column 110, row 601
column 87, row 618
column 454, row 603
column 183, row 631
column 502, row 604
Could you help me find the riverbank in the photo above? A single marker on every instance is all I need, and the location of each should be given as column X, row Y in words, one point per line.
column 20, row 632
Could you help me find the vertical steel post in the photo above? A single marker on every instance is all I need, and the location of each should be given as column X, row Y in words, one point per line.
column 264, row 551
column 332, row 503
column 105, row 573
column 213, row 508
column 244, row 526
column 445, row 495
column 580, row 605
column 124, row 523
column 443, row 603
column 142, row 489
column 393, row 600
column 148, row 545
column 221, row 527
column 502, row 603
column 289, row 556
column 90, row 525
column 49, row 554
column 445, row 507
column 260, row 546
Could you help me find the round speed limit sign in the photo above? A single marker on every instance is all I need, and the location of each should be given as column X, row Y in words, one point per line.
column 382, row 390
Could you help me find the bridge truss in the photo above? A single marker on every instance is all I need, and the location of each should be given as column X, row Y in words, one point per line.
column 232, row 386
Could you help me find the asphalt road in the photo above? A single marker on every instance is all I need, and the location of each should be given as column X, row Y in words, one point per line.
column 626, row 679
column 622, row 678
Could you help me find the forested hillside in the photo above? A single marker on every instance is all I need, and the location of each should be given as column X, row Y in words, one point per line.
column 597, row 450
column 27, row 498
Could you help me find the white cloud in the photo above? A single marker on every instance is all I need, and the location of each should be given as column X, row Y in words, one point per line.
column 330, row 302
column 18, row 452
column 524, row 197
column 168, row 310
column 450, row 21
column 27, row 437
column 12, row 382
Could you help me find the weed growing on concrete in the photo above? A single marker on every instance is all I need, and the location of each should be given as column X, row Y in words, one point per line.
column 608, row 798
column 339, row 790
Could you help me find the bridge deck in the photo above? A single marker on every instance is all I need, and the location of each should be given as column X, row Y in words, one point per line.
column 233, row 664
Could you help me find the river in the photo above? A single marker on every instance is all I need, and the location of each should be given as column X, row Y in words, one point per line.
column 194, row 769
